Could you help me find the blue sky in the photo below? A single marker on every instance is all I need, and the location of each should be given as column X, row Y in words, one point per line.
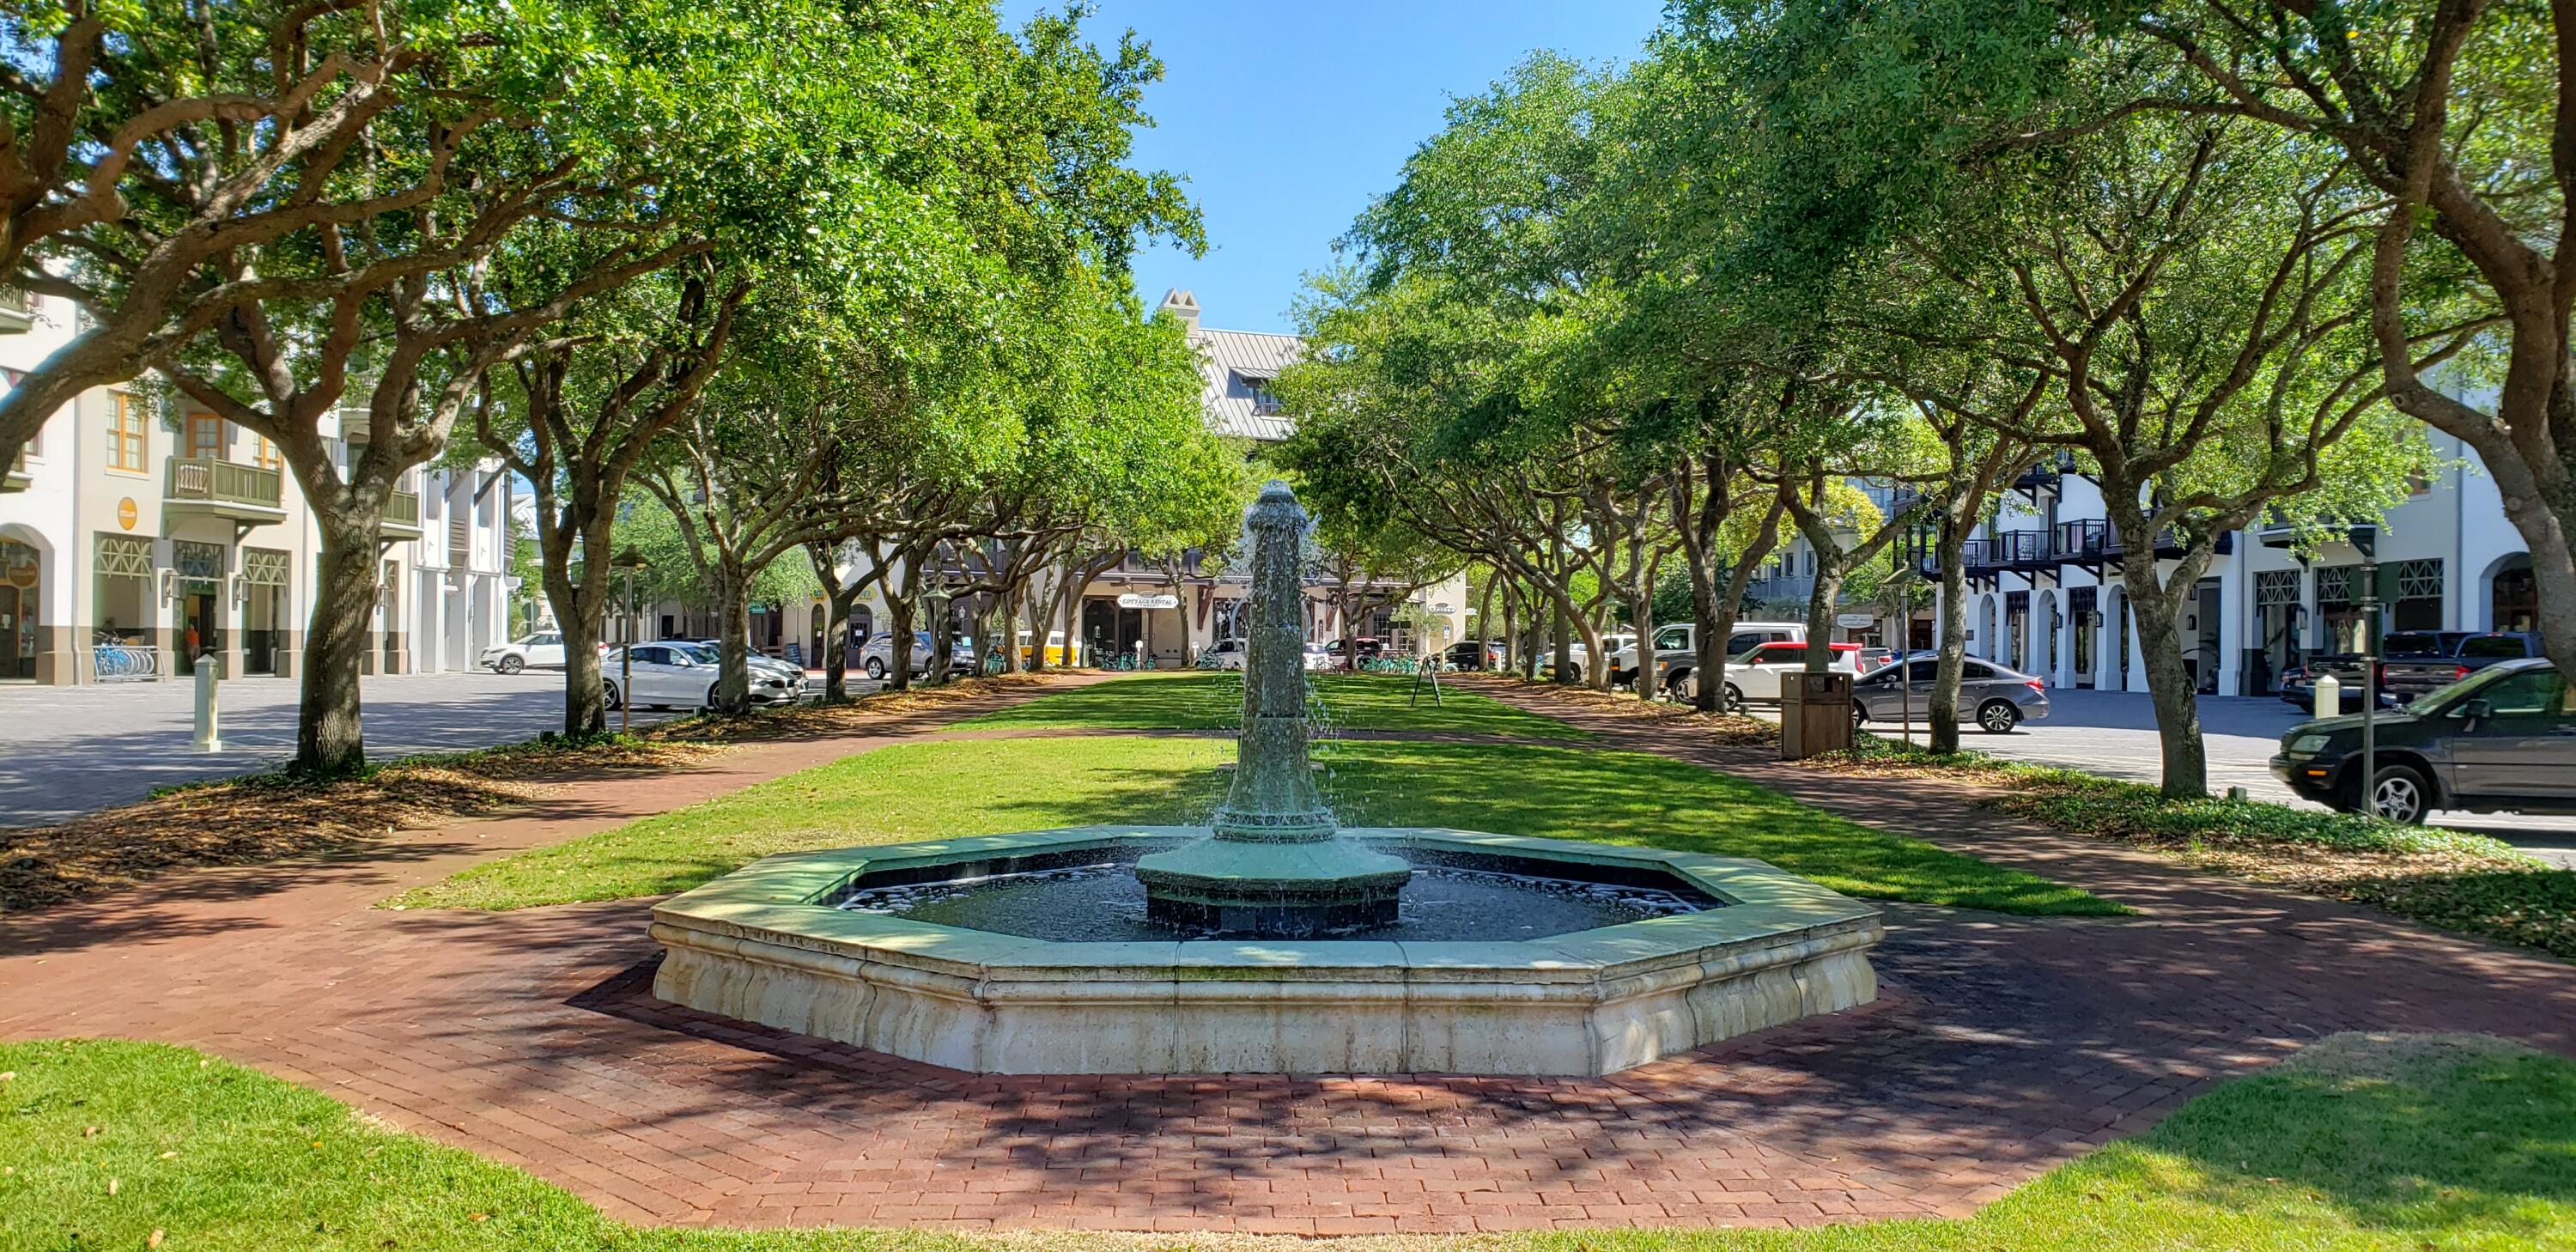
column 1287, row 117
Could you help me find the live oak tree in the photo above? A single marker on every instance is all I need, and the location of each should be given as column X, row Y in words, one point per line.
column 2461, row 114
column 551, row 126
column 145, row 149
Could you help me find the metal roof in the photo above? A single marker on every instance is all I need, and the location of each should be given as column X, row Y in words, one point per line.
column 1227, row 358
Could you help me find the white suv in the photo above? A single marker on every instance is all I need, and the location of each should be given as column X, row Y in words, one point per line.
column 543, row 650
column 1759, row 673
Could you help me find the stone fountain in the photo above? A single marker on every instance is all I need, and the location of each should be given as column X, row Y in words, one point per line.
column 1275, row 863
column 1271, row 940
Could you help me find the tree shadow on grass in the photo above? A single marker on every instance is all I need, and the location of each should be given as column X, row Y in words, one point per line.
column 2398, row 1133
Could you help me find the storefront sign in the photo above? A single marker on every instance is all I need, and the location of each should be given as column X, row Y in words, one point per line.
column 1132, row 600
column 126, row 513
column 1855, row 621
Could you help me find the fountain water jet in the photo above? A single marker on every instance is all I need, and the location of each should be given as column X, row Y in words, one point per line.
column 1275, row 864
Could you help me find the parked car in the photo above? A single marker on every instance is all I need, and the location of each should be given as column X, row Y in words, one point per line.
column 678, row 675
column 1995, row 698
column 1470, row 654
column 2501, row 739
column 1758, row 674
column 1579, row 655
column 1677, row 653
column 876, row 655
column 2410, row 678
column 1318, row 657
column 543, row 650
column 1348, row 654
column 1226, row 654
column 2299, row 683
column 1056, row 651
column 711, row 651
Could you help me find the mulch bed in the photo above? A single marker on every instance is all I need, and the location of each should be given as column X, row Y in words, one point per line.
column 2457, row 882
column 243, row 821
column 263, row 817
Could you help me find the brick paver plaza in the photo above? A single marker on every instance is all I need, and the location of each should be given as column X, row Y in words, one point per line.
column 2001, row 1046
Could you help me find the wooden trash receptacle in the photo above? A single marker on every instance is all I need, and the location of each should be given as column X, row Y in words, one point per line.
column 1815, row 714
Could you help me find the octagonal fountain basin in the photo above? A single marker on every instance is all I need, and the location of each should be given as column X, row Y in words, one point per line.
column 1032, row 953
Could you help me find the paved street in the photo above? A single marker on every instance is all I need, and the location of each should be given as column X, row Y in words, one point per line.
column 2113, row 733
column 70, row 750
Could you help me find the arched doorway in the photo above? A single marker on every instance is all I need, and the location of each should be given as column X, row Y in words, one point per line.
column 22, row 581
column 2513, row 595
column 1986, row 627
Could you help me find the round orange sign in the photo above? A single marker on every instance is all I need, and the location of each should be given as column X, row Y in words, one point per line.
column 126, row 513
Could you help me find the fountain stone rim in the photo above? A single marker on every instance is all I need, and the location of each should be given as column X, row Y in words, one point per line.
column 768, row 943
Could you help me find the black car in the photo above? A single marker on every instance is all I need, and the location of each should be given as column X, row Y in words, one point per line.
column 2502, row 739
column 2299, row 682
column 1474, row 655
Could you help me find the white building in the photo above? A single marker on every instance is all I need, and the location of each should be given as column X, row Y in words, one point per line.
column 133, row 540
column 461, row 567
column 2045, row 596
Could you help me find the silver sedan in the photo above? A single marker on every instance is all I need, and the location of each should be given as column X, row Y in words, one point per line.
column 1995, row 698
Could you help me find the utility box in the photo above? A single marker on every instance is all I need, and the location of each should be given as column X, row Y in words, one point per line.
column 1815, row 714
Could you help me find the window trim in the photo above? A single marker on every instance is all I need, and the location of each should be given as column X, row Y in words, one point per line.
column 127, row 430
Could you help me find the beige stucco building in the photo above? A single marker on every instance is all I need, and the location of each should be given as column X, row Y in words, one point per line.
column 136, row 537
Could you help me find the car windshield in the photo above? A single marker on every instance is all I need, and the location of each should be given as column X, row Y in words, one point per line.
column 2440, row 699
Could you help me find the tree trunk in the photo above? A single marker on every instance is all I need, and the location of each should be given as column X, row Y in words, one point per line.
column 1819, row 655
column 899, row 633
column 1561, row 641
column 330, row 740
column 2546, row 531
column 2169, row 685
column 1039, row 608
column 1641, row 618
column 1483, row 631
column 580, row 608
column 1943, row 714
column 733, row 659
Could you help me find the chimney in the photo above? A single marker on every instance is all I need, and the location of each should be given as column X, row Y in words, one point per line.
column 1183, row 305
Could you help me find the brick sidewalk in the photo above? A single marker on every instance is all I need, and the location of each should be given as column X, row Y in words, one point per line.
column 2001, row 1047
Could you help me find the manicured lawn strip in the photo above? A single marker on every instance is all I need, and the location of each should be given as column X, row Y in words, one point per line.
column 976, row 787
column 910, row 791
column 1214, row 701
column 2392, row 1144
column 2449, row 879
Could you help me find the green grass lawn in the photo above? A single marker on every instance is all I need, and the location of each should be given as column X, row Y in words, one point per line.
column 976, row 787
column 2358, row 1144
column 1214, row 701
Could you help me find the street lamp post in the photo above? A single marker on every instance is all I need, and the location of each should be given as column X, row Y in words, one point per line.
column 630, row 563
column 2369, row 546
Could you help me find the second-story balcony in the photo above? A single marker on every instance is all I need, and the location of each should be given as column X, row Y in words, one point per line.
column 2020, row 549
column 17, row 311
column 214, row 487
column 402, row 515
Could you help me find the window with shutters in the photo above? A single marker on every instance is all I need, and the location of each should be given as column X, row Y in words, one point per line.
column 460, row 539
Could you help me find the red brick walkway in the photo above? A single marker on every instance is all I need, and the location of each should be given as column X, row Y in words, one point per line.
column 2002, row 1046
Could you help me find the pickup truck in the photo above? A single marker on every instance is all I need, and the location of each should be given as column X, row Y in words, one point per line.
column 1677, row 653
column 2407, row 677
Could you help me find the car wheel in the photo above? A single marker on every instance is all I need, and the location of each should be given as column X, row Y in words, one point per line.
column 1734, row 701
column 2401, row 795
column 608, row 694
column 712, row 688
column 1998, row 717
column 511, row 665
column 1680, row 687
column 876, row 670
column 1860, row 714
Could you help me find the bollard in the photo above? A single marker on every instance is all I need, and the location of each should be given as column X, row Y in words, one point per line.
column 2329, row 701
column 208, row 738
